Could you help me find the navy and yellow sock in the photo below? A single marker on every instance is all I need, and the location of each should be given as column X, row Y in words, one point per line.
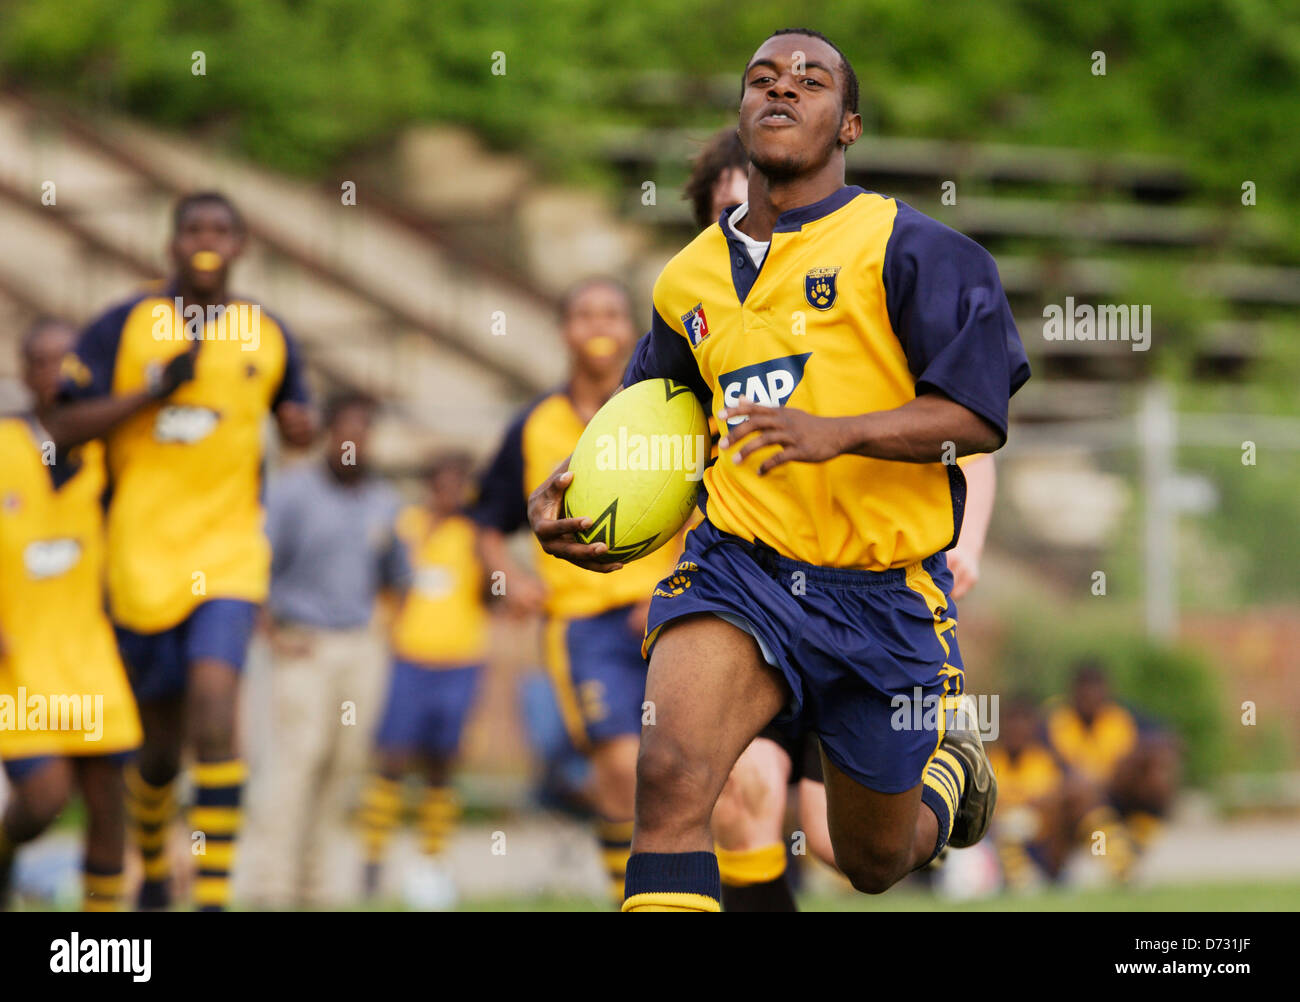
column 101, row 888
column 150, row 810
column 1119, row 851
column 753, row 880
column 218, row 789
column 672, row 882
column 615, row 848
column 381, row 813
column 943, row 783
column 439, row 813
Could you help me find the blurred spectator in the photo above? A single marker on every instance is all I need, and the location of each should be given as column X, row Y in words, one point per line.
column 334, row 543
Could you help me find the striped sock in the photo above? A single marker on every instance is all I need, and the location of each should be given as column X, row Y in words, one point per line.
column 672, row 882
column 381, row 813
column 439, row 812
column 101, row 888
column 1117, row 845
column 218, row 787
column 943, row 784
column 753, row 880
column 150, row 810
column 615, row 847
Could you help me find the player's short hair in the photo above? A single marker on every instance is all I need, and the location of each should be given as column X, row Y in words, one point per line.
column 722, row 153
column 452, row 459
column 849, row 94
column 572, row 293
column 1088, row 669
column 187, row 202
column 347, row 400
column 38, row 327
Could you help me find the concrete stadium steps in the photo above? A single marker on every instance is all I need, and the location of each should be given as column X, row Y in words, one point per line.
column 375, row 304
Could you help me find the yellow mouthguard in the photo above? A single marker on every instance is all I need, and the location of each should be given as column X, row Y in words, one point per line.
column 206, row 260
column 600, row 346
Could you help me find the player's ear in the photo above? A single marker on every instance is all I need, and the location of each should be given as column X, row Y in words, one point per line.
column 850, row 129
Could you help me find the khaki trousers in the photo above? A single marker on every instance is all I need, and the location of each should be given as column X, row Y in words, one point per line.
column 325, row 689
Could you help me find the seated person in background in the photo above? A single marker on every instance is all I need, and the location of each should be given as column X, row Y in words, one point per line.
column 1133, row 761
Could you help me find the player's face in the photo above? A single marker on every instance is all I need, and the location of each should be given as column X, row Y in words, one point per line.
column 350, row 441
column 599, row 330
column 731, row 188
column 43, row 359
column 205, row 244
column 1090, row 695
column 449, row 488
column 1017, row 730
column 791, row 111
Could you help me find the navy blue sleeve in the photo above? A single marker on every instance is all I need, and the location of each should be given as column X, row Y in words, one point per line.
column 949, row 311
column 293, row 385
column 502, row 502
column 662, row 353
column 88, row 371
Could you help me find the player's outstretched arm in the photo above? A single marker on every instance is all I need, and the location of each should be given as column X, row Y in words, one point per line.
column 558, row 535
column 930, row 429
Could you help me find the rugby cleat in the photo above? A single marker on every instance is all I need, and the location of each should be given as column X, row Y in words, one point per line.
column 981, row 793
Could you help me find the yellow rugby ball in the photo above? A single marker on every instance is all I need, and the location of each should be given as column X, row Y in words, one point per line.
column 637, row 468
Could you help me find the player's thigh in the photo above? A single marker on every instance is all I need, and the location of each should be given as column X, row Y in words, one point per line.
column 100, row 780
column 751, row 807
column 709, row 693
column 39, row 794
column 812, row 819
column 871, row 833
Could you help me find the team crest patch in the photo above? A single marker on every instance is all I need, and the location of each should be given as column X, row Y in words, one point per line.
column 697, row 327
column 819, row 288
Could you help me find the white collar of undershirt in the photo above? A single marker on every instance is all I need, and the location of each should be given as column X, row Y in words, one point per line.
column 757, row 248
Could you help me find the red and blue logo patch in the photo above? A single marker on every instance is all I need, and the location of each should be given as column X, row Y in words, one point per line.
column 697, row 327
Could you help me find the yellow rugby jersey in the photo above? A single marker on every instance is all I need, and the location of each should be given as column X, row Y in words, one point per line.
column 56, row 644
column 860, row 304
column 536, row 442
column 1034, row 773
column 1095, row 750
column 442, row 621
column 185, row 521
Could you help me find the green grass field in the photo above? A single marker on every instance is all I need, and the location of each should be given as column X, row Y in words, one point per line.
column 1277, row 897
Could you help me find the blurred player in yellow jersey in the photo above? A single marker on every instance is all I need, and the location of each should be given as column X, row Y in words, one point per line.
column 66, row 712
column 179, row 381
column 439, row 645
column 594, row 624
column 748, row 818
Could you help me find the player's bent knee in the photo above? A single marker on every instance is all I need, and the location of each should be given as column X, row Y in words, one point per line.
column 872, row 872
column 671, row 785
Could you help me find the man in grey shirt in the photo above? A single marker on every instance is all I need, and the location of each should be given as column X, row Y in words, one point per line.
column 334, row 549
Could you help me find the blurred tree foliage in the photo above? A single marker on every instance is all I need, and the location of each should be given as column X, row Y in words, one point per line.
column 299, row 84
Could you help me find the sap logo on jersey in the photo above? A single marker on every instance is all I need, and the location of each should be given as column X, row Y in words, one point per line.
column 768, row 383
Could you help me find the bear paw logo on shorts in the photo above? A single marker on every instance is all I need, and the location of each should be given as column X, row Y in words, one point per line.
column 678, row 581
column 767, row 383
column 184, row 425
column 819, row 288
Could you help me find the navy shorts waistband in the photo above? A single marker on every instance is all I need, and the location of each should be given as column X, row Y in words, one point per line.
column 828, row 577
